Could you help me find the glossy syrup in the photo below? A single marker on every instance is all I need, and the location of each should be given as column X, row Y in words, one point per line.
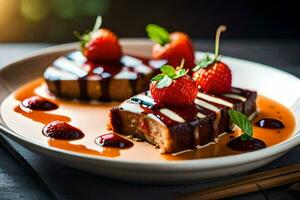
column 269, row 123
column 113, row 140
column 38, row 103
column 251, row 144
column 92, row 120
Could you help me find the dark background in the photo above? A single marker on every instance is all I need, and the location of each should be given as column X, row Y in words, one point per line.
column 55, row 20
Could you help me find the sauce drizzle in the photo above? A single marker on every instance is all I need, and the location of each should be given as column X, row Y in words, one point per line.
column 252, row 144
column 62, row 130
column 113, row 140
column 269, row 123
column 38, row 103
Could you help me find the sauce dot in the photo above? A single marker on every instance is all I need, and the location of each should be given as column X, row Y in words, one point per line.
column 62, row 130
column 113, row 140
column 251, row 144
column 269, row 123
column 38, row 103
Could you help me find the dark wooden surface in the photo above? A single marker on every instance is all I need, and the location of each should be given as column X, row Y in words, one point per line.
column 31, row 176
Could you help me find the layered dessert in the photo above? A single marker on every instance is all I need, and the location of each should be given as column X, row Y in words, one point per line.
column 184, row 110
column 99, row 70
column 170, row 101
column 73, row 76
column 173, row 129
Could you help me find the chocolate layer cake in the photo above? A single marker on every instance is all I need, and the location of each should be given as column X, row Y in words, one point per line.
column 176, row 129
column 72, row 76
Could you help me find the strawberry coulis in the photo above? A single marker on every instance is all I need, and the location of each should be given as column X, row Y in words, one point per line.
column 113, row 140
column 38, row 103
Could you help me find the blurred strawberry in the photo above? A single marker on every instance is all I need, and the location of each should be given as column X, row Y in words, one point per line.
column 173, row 47
column 100, row 44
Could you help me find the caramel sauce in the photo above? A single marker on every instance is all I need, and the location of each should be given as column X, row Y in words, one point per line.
column 40, row 116
column 79, row 148
column 92, row 118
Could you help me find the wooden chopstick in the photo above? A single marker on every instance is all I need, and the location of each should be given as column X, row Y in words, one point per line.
column 250, row 183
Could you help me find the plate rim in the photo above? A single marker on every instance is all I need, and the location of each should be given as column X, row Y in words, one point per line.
column 196, row 164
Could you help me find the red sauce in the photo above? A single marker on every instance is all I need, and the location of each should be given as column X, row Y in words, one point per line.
column 62, row 130
column 38, row 103
column 113, row 140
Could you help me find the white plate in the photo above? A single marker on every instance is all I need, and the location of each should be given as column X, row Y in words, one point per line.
column 268, row 81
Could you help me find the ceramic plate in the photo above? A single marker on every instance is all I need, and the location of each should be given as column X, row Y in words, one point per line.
column 266, row 80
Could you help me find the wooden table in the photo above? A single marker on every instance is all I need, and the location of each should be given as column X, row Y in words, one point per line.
column 26, row 175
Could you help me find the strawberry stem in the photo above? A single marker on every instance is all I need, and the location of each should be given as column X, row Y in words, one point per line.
column 181, row 64
column 97, row 23
column 220, row 29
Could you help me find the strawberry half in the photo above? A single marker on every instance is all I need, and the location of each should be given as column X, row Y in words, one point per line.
column 211, row 75
column 171, row 46
column 174, row 87
column 100, row 44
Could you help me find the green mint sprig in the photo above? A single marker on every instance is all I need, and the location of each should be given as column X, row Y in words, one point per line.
column 169, row 74
column 243, row 123
column 207, row 60
column 86, row 36
column 158, row 34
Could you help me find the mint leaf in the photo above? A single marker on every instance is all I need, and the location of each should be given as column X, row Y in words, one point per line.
column 168, row 70
column 83, row 39
column 168, row 74
column 158, row 34
column 243, row 122
column 245, row 137
column 180, row 73
column 207, row 60
column 158, row 77
column 165, row 82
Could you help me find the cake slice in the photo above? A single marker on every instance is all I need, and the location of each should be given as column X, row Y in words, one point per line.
column 73, row 76
column 173, row 129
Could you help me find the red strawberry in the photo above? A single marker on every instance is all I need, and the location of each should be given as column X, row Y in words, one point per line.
column 212, row 75
column 214, row 79
column 173, row 47
column 173, row 87
column 100, row 44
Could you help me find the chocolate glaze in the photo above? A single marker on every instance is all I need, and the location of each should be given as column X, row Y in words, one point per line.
column 78, row 68
column 251, row 144
column 269, row 123
column 38, row 103
column 188, row 113
column 62, row 130
column 113, row 140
